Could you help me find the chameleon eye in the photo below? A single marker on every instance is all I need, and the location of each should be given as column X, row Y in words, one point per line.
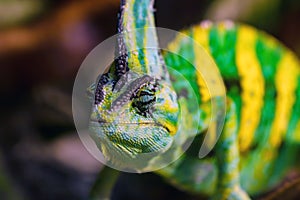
column 144, row 100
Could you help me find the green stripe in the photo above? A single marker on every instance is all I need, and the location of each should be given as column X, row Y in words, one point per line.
column 186, row 52
column 295, row 117
column 140, row 13
column 269, row 58
column 222, row 49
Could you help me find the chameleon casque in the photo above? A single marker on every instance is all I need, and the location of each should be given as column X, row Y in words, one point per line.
column 261, row 133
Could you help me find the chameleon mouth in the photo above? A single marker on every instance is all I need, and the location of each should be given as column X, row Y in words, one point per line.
column 144, row 137
column 130, row 145
column 100, row 123
column 121, row 123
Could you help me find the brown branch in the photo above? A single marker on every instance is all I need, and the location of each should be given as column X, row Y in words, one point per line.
column 30, row 37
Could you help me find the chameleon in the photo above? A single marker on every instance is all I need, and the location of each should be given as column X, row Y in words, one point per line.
column 137, row 102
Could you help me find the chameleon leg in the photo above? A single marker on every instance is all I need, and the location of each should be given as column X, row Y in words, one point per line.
column 228, row 185
column 104, row 184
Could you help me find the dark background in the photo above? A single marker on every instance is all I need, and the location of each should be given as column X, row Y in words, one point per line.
column 42, row 44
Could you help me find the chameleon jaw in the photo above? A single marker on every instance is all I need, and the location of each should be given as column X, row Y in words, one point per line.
column 128, row 143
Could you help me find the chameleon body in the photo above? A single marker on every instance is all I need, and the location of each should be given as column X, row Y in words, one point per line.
column 262, row 79
column 136, row 104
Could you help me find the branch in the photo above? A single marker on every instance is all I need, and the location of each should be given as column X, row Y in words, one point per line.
column 30, row 37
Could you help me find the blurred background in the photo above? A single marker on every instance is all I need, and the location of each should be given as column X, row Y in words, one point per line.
column 42, row 44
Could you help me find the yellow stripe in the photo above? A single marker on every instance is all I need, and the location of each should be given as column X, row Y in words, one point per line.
column 175, row 44
column 201, row 36
column 252, row 83
column 147, row 52
column 208, row 75
column 205, row 65
column 286, row 84
column 152, row 59
column 296, row 133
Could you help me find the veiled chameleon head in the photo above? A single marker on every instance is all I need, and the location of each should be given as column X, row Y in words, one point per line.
column 133, row 114
column 135, row 110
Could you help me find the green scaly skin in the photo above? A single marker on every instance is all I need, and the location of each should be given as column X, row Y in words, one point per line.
column 263, row 163
column 263, row 89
